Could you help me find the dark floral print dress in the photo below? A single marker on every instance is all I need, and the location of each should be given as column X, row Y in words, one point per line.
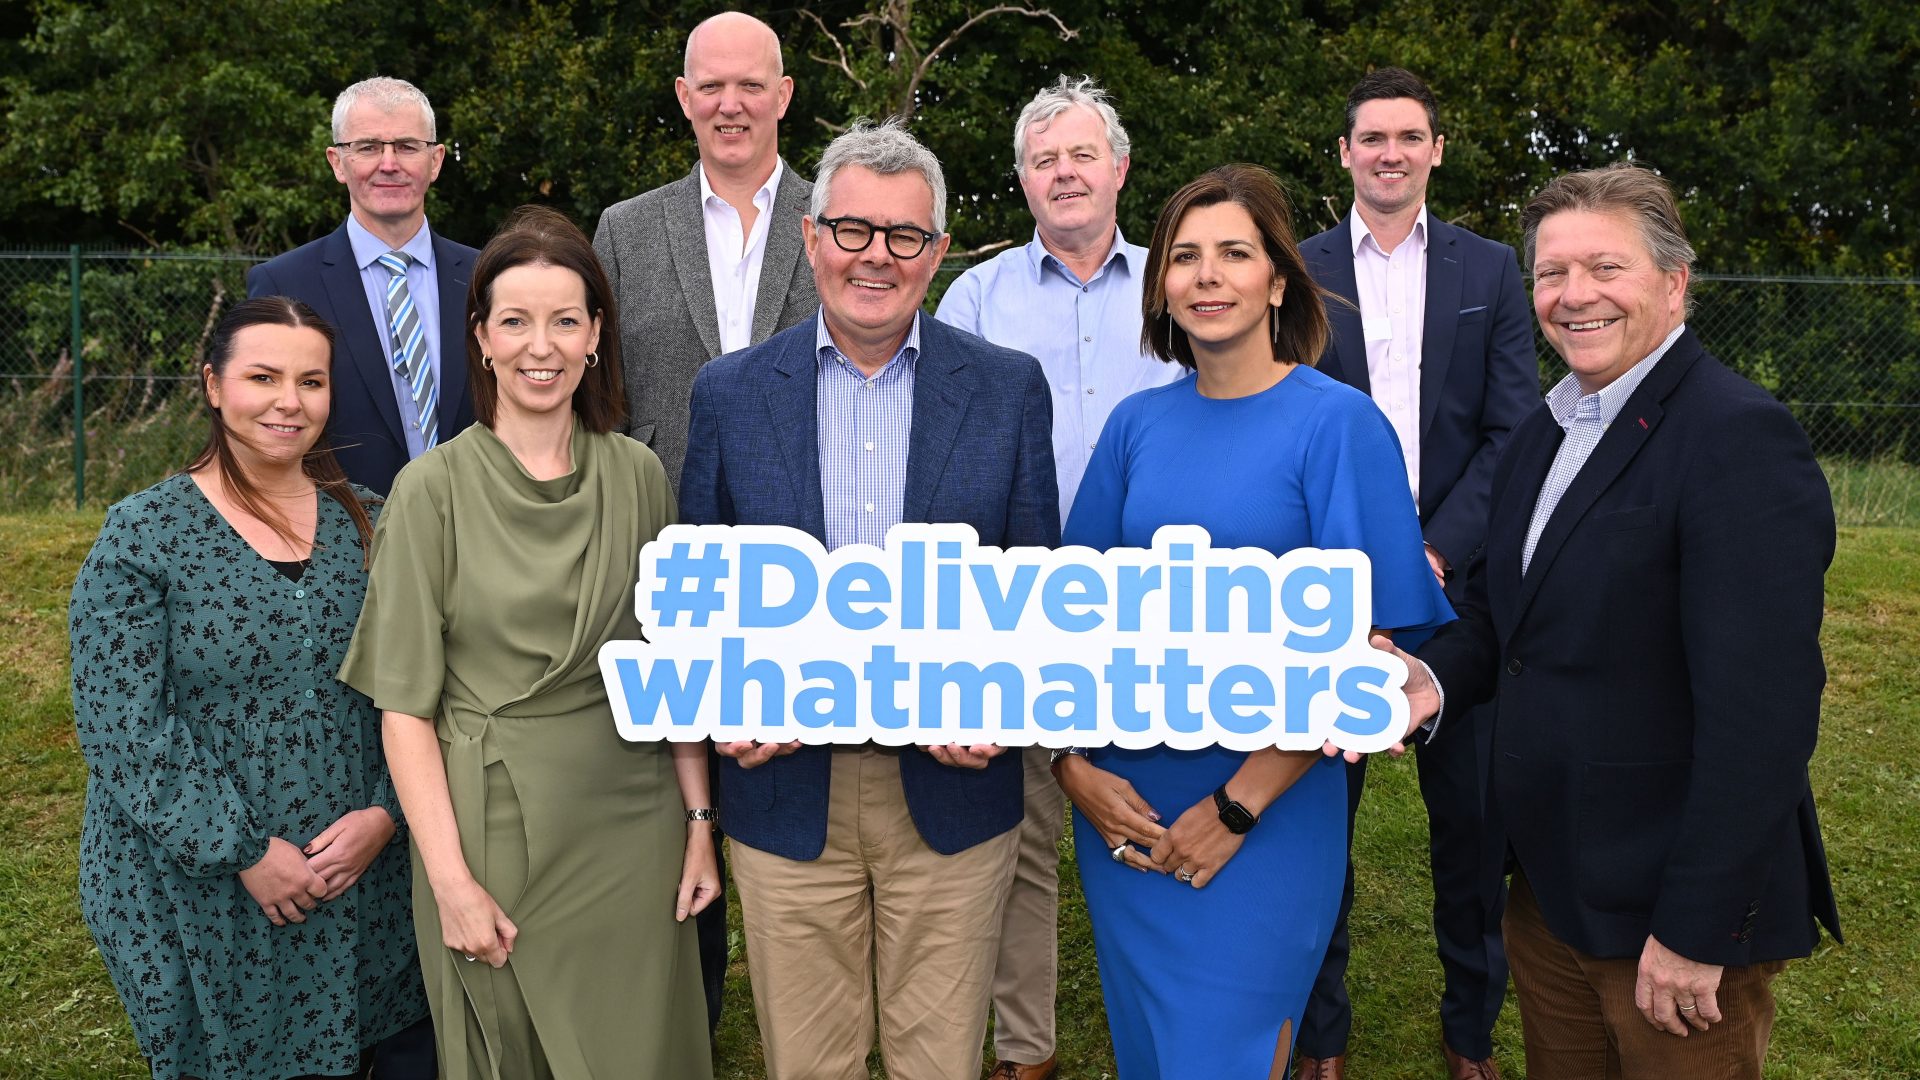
column 206, row 706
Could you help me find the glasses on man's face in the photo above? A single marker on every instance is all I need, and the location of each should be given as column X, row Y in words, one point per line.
column 372, row 149
column 856, row 234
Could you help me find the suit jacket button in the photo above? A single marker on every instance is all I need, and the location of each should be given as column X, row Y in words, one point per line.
column 1514, row 667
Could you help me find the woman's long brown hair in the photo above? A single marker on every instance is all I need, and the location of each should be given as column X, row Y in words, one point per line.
column 319, row 464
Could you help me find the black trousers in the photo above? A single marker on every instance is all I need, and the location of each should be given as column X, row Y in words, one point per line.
column 711, row 925
column 1469, row 897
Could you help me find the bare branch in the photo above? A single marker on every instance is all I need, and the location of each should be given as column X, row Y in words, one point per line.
column 983, row 249
column 842, row 64
column 926, row 62
column 837, row 129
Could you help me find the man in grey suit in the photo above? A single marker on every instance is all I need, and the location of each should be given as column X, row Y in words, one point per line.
column 710, row 263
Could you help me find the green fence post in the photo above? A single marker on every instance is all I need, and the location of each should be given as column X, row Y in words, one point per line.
column 79, row 395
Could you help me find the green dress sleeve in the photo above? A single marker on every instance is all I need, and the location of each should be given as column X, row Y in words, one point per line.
column 139, row 751
column 398, row 654
column 383, row 795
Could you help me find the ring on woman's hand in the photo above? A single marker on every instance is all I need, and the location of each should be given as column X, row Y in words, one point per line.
column 1120, row 852
column 1183, row 875
column 471, row 959
column 1688, row 1008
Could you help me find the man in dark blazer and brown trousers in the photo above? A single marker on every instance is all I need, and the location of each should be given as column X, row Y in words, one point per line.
column 1646, row 617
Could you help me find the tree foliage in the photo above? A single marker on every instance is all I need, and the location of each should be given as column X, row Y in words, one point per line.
column 1792, row 138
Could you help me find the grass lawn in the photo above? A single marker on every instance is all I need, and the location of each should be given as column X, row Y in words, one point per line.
column 1850, row 1011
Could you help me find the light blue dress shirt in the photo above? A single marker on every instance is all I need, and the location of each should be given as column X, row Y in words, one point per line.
column 864, row 426
column 425, row 288
column 1086, row 335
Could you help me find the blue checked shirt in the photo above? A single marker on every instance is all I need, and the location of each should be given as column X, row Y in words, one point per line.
column 1586, row 418
column 864, row 426
column 1086, row 336
column 424, row 287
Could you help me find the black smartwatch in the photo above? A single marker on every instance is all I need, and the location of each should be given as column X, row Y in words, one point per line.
column 1234, row 816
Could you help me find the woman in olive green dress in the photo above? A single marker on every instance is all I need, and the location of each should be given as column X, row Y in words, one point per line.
column 556, row 865
column 237, row 862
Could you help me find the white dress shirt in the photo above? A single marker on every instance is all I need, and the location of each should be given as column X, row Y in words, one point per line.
column 1393, row 306
column 734, row 257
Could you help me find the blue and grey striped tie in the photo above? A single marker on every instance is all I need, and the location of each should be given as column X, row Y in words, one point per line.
column 410, row 346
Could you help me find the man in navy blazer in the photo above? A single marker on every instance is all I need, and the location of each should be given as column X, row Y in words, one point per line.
column 1438, row 335
column 1647, row 609
column 857, row 863
column 385, row 413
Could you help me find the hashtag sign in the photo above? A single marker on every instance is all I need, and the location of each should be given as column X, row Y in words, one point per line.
column 690, row 584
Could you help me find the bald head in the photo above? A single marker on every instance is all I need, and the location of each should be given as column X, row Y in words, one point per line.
column 734, row 32
column 734, row 94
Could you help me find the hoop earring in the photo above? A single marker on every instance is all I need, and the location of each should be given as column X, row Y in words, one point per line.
column 593, row 358
column 486, row 361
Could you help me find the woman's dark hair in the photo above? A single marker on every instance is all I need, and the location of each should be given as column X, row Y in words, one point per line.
column 539, row 236
column 1299, row 328
column 319, row 465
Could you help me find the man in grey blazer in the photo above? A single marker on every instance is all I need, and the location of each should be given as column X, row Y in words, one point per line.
column 710, row 263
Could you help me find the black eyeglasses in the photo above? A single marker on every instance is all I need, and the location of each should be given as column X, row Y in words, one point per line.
column 368, row 149
column 856, row 234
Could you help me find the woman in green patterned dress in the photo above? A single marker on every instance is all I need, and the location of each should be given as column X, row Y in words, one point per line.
column 556, row 864
column 237, row 863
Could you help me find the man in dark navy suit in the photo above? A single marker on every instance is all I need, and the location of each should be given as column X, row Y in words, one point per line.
column 394, row 291
column 865, row 865
column 1647, row 608
column 1438, row 335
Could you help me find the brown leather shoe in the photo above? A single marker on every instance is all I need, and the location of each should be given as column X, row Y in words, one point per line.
column 1013, row 1070
column 1313, row 1068
column 1459, row 1068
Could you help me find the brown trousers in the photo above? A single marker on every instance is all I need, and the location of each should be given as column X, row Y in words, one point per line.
column 877, row 907
column 1580, row 1022
column 1027, row 971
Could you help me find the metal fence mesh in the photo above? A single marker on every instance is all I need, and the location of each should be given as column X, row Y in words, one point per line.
column 1843, row 354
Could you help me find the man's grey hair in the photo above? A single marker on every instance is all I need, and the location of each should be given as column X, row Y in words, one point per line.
column 1058, row 98
column 387, row 94
column 1629, row 190
column 885, row 148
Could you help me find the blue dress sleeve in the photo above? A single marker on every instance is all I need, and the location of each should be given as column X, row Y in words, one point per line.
column 1355, row 482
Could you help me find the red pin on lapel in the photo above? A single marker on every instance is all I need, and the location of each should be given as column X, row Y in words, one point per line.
column 1642, row 420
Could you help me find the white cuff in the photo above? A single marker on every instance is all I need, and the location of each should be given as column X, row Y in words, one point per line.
column 1432, row 726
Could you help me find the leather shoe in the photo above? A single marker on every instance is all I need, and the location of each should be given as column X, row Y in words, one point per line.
column 1313, row 1068
column 1460, row 1068
column 1013, row 1070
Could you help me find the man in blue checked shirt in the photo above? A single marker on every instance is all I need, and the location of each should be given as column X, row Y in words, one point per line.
column 1071, row 298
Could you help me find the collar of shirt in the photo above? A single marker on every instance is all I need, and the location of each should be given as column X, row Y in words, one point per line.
column 1362, row 234
column 1039, row 259
column 368, row 247
column 762, row 198
column 1565, row 396
column 826, row 351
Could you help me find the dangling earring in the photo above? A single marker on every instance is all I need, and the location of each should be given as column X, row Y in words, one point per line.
column 1273, row 318
column 486, row 361
column 593, row 358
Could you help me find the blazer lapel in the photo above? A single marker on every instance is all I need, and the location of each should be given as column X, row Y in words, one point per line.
column 1638, row 420
column 784, row 246
column 359, row 335
column 451, row 273
column 1349, row 337
column 686, row 228
column 939, row 404
column 1442, row 317
column 794, row 412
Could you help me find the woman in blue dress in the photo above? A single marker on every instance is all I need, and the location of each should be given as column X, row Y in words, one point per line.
column 1213, row 877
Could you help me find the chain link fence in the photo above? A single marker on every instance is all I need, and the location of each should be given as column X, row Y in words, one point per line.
column 1843, row 354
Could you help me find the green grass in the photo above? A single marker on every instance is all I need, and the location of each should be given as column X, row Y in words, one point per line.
column 1850, row 1011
